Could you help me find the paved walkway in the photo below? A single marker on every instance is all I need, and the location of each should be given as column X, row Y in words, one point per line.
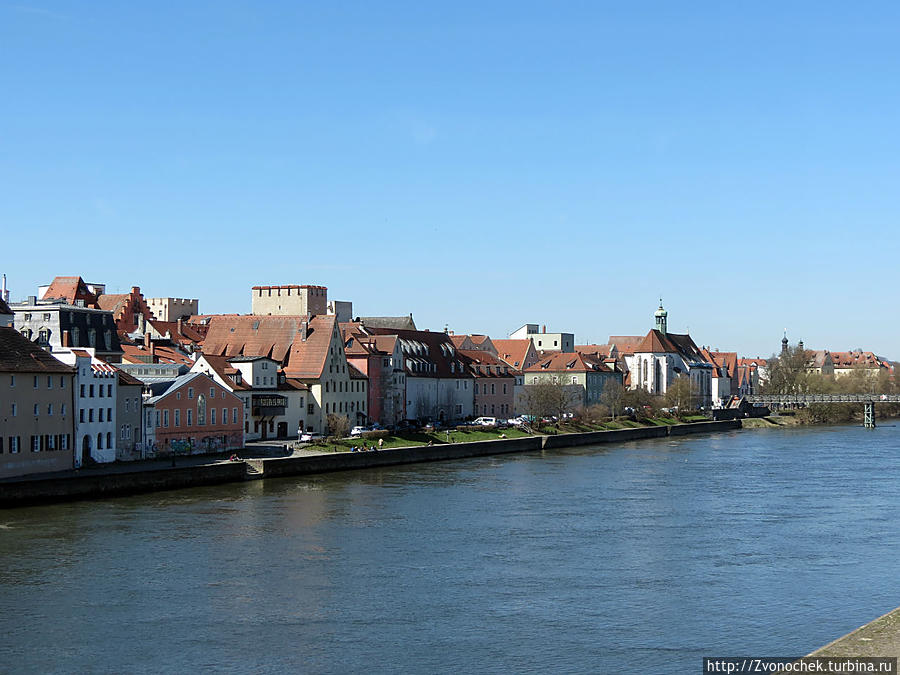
column 881, row 637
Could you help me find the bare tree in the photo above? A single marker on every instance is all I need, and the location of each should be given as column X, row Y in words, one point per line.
column 551, row 397
column 612, row 397
column 338, row 425
column 680, row 394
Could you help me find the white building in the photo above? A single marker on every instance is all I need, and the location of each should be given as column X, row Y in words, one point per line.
column 96, row 398
column 661, row 357
column 544, row 341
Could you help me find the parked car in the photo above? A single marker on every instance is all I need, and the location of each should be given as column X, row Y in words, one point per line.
column 310, row 436
column 485, row 421
column 357, row 431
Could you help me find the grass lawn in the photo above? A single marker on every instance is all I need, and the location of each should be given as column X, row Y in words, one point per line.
column 405, row 440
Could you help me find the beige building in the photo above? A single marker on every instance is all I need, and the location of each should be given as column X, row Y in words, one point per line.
column 36, row 417
column 172, row 309
column 291, row 300
column 128, row 416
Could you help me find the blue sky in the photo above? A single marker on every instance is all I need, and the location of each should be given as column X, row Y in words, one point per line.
column 478, row 166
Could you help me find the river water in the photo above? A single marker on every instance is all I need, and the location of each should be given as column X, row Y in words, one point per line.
column 630, row 558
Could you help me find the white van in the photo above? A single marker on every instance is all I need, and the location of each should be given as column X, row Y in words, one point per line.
column 485, row 422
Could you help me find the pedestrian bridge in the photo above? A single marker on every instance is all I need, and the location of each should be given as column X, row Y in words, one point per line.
column 768, row 399
column 868, row 401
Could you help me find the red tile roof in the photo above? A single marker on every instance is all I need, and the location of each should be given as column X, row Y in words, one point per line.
column 514, row 352
column 307, row 357
column 249, row 335
column 70, row 289
column 595, row 350
column 556, row 362
column 626, row 345
column 111, row 302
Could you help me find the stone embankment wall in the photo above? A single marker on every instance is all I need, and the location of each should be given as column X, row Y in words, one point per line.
column 87, row 486
column 21, row 493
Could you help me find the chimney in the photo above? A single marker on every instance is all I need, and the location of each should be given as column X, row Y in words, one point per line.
column 304, row 330
column 4, row 294
column 147, row 340
column 65, row 338
column 152, row 352
column 544, row 327
column 179, row 322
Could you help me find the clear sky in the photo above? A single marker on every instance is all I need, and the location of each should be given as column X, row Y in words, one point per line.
column 482, row 165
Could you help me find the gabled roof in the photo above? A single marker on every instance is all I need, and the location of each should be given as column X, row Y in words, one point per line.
column 656, row 342
column 427, row 353
column 392, row 322
column 513, row 351
column 604, row 351
column 111, row 301
column 307, row 357
column 558, row 362
column 249, row 335
column 626, row 345
column 484, row 364
column 4, row 308
column 181, row 333
column 70, row 289
column 18, row 354
column 179, row 382
column 126, row 379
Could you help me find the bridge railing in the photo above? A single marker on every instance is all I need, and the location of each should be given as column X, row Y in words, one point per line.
column 824, row 398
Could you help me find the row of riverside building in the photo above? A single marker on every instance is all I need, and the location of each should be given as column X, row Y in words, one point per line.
column 92, row 377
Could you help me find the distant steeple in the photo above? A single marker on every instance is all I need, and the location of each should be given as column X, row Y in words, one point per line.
column 784, row 342
column 661, row 315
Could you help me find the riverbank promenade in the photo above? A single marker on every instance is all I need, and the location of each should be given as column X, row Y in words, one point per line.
column 880, row 637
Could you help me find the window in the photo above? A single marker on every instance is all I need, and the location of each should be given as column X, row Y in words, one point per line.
column 81, row 393
column 91, row 391
column 178, row 395
column 99, row 414
column 190, row 392
column 99, row 441
column 14, row 443
column 201, row 410
column 12, row 380
column 81, row 415
column 90, row 414
column 64, row 441
column 190, row 417
column 178, row 417
column 212, row 416
column 165, row 418
column 212, row 392
column 37, row 409
column 109, row 390
column 157, row 418
column 234, row 417
column 36, row 382
column 35, row 443
column 109, row 439
column 109, row 414
column 49, row 382
column 51, row 442
column 49, row 408
column 309, row 409
column 46, row 316
column 62, row 409
column 62, row 382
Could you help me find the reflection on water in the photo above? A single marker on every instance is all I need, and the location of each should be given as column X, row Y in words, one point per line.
column 642, row 557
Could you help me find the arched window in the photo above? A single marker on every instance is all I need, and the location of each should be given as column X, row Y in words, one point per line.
column 201, row 409
column 99, row 441
column 644, row 378
column 108, row 439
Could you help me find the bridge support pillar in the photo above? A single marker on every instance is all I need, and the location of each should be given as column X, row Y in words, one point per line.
column 869, row 415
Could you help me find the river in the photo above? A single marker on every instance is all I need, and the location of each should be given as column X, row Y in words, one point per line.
column 631, row 558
